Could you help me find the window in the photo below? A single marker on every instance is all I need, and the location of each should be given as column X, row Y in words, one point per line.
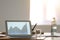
column 42, row 11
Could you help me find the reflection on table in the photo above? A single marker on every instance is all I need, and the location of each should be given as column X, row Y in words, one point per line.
column 46, row 36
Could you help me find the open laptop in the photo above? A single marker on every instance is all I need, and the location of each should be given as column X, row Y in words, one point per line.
column 18, row 28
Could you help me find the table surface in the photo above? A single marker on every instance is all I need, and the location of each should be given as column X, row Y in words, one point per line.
column 5, row 37
column 46, row 36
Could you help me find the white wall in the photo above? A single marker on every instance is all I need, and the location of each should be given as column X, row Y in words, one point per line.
column 46, row 28
column 13, row 10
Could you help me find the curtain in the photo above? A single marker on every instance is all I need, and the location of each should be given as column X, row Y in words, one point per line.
column 42, row 11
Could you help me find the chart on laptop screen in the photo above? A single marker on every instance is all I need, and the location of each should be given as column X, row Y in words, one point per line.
column 18, row 28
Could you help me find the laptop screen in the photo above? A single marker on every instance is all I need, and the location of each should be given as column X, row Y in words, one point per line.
column 18, row 27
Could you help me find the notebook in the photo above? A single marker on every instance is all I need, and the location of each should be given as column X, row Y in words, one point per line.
column 18, row 28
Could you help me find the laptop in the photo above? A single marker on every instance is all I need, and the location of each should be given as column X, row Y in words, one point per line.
column 18, row 28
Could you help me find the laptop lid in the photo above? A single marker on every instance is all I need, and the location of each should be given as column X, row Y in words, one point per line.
column 18, row 28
